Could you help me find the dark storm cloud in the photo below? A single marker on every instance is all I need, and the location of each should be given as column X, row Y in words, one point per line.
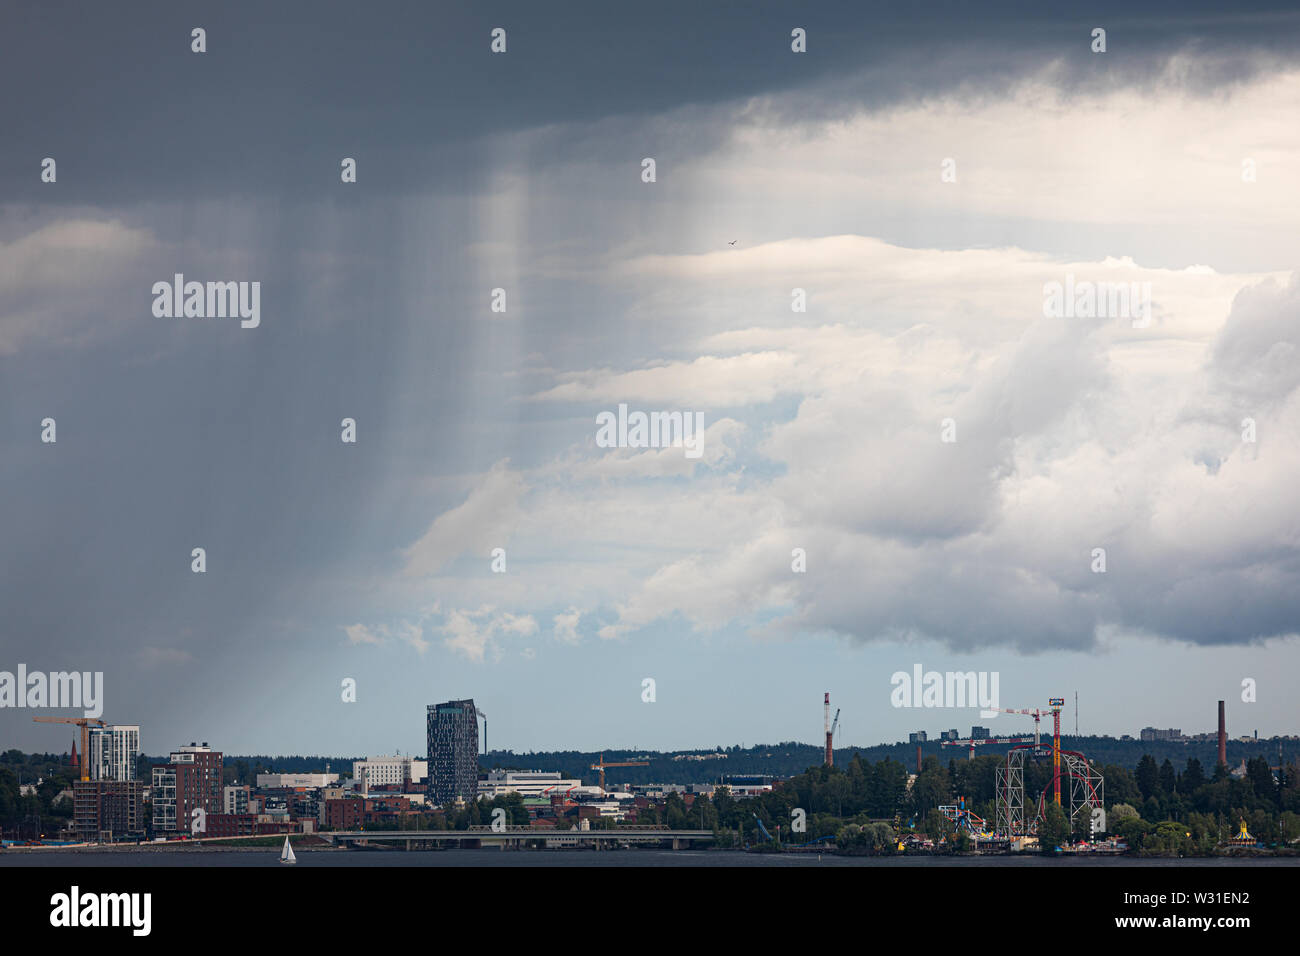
column 287, row 89
column 181, row 433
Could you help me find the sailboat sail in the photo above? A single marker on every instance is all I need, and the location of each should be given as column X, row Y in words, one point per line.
column 286, row 855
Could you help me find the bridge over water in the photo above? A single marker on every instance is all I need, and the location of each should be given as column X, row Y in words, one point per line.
column 516, row 836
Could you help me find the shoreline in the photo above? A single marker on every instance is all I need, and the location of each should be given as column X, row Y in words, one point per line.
column 1235, row 853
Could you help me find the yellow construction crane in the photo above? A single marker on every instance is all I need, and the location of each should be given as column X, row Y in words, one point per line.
column 84, row 723
column 622, row 763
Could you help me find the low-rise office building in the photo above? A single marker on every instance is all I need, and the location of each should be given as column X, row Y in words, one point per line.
column 280, row 781
column 529, row 783
column 389, row 771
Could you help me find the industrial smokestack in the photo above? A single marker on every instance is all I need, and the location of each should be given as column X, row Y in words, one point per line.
column 830, row 754
column 1223, row 738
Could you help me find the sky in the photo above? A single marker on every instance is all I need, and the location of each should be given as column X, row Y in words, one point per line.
column 912, row 460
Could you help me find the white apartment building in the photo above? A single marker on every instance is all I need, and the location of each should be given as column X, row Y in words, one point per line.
column 235, row 800
column 113, row 752
column 162, row 796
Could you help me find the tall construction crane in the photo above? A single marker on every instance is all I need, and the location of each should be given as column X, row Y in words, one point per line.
column 830, row 730
column 1055, row 703
column 1036, row 714
column 974, row 742
column 622, row 763
column 84, row 723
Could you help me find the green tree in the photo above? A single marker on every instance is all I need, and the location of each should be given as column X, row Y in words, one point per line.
column 1132, row 830
column 1054, row 830
column 725, row 804
column 1261, row 778
column 858, row 776
column 886, row 788
column 1193, row 777
column 1216, row 796
column 1147, row 776
column 932, row 787
column 1168, row 779
column 675, row 812
column 883, row 839
column 1291, row 788
column 1289, row 825
column 1263, row 826
column 702, row 813
column 513, row 804
column 852, row 837
column 1118, row 814
column 838, row 793
column 1151, row 810
column 1120, row 785
column 1170, row 836
column 1081, row 825
column 938, row 826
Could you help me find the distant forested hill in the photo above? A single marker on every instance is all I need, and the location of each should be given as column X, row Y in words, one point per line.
column 779, row 760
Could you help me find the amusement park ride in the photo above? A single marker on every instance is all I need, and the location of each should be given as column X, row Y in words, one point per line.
column 966, row 820
column 1084, row 789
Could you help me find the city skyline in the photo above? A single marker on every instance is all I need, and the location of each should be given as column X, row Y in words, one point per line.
column 934, row 731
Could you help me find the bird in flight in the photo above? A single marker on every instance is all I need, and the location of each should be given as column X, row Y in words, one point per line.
column 733, row 242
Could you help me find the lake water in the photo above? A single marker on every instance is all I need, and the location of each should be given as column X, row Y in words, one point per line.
column 581, row 858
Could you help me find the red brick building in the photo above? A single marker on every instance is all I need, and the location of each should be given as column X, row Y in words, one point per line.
column 245, row 824
column 190, row 781
column 345, row 814
column 108, row 809
column 351, row 813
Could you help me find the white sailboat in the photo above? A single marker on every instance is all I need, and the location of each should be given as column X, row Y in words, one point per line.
column 286, row 855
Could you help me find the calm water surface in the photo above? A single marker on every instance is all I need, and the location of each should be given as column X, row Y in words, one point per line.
column 580, row 858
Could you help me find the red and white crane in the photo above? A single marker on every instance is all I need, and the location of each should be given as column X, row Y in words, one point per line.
column 830, row 729
column 974, row 742
column 1036, row 714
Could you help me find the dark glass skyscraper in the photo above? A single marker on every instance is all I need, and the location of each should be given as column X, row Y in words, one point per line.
column 453, row 751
